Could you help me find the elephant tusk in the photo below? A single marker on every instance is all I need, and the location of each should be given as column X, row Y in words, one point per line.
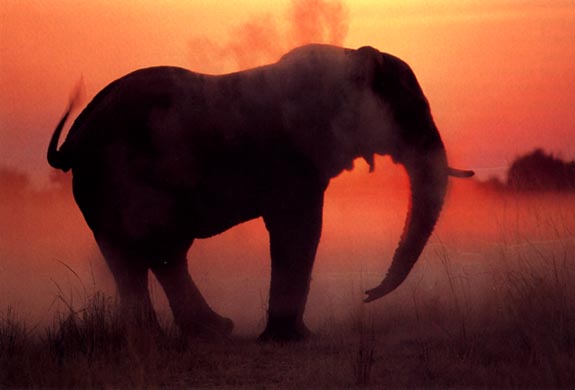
column 459, row 172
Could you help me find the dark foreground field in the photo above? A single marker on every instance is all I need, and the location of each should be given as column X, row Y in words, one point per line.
column 491, row 303
column 524, row 336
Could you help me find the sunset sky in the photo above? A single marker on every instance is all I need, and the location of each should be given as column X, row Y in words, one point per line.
column 500, row 75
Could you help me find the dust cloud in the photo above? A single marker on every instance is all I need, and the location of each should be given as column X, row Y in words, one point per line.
column 265, row 38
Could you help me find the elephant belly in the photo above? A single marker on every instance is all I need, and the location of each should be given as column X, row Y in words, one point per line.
column 214, row 210
column 151, row 217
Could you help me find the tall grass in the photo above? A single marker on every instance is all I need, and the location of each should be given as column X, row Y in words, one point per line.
column 523, row 335
column 364, row 358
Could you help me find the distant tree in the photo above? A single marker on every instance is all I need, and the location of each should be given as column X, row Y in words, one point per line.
column 13, row 181
column 538, row 171
column 494, row 184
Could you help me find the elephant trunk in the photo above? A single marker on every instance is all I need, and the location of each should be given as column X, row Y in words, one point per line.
column 427, row 169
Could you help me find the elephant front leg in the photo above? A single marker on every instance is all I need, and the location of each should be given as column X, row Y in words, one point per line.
column 294, row 235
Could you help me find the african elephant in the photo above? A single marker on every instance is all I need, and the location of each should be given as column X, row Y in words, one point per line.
column 164, row 155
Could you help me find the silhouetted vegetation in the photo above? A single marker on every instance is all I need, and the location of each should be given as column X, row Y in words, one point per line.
column 537, row 171
column 13, row 181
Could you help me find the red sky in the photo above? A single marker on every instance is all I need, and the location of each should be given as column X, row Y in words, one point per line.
column 500, row 75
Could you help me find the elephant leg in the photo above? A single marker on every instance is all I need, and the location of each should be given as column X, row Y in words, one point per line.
column 294, row 231
column 130, row 272
column 192, row 314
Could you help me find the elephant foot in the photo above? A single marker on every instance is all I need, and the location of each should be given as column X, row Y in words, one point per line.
column 283, row 330
column 213, row 327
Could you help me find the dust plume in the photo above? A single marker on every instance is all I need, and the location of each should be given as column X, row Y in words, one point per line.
column 318, row 21
column 265, row 38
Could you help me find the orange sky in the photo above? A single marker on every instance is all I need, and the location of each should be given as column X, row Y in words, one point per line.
column 500, row 75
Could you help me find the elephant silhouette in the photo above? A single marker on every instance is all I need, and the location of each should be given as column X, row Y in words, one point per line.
column 164, row 155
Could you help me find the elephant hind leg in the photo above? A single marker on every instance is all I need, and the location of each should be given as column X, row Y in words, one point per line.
column 192, row 314
column 130, row 272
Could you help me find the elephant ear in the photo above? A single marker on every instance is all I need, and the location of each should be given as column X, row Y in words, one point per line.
column 364, row 65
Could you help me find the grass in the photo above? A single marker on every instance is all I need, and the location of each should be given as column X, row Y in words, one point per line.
column 522, row 335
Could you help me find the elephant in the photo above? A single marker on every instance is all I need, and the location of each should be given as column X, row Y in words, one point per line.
column 163, row 156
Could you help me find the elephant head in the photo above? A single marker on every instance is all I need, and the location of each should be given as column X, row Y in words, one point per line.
column 407, row 132
column 373, row 104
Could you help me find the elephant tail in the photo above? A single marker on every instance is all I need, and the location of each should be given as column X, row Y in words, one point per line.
column 56, row 158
